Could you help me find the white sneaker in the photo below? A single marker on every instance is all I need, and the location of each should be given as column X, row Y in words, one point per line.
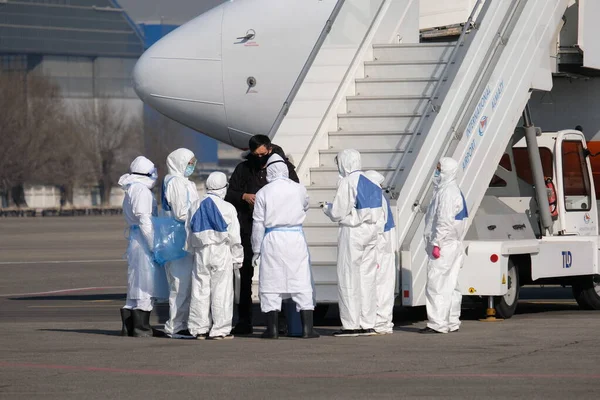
column 222, row 337
column 367, row 332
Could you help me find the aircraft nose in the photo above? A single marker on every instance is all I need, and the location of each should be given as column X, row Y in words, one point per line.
column 181, row 75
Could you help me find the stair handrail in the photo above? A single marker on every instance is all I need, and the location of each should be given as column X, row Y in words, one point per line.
column 341, row 90
column 425, row 190
column 430, row 102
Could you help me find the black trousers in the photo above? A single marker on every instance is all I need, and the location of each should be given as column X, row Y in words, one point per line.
column 246, row 274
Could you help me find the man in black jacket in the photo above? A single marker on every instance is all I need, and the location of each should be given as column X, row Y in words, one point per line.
column 247, row 179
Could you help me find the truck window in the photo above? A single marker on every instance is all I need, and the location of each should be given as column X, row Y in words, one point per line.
column 575, row 177
column 524, row 168
column 504, row 163
column 594, row 148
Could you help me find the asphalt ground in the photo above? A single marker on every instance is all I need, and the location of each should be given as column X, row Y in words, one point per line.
column 63, row 281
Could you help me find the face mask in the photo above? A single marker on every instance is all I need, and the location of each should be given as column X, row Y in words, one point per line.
column 262, row 161
column 437, row 173
column 189, row 170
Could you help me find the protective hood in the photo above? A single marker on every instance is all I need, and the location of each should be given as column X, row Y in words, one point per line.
column 448, row 170
column 348, row 162
column 375, row 176
column 178, row 160
column 141, row 165
column 217, row 184
column 277, row 168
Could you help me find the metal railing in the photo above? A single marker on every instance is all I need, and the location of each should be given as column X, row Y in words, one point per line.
column 309, row 62
column 469, row 103
column 431, row 101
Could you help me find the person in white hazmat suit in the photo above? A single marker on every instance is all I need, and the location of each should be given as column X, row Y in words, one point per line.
column 280, row 248
column 358, row 208
column 214, row 235
column 177, row 195
column 445, row 224
column 143, row 275
column 385, row 278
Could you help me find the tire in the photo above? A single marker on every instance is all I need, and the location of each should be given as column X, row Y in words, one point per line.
column 587, row 292
column 506, row 305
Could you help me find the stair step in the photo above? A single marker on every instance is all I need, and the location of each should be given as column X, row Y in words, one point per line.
column 420, row 51
column 320, row 193
column 321, row 232
column 404, row 69
column 315, row 215
column 386, row 104
column 330, row 175
column 389, row 86
column 365, row 140
column 378, row 122
column 323, row 252
column 379, row 158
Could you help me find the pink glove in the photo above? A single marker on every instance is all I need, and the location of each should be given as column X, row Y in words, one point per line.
column 436, row 252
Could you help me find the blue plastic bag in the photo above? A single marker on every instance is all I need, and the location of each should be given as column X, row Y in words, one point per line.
column 169, row 239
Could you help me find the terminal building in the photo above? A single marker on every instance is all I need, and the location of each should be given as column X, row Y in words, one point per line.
column 89, row 49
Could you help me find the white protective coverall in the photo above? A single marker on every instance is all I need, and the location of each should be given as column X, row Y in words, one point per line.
column 138, row 207
column 277, row 235
column 214, row 235
column 386, row 259
column 445, row 224
column 178, row 194
column 357, row 207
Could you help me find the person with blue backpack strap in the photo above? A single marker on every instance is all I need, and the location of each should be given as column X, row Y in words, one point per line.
column 143, row 275
column 214, row 235
column 177, row 195
column 445, row 226
column 385, row 280
column 358, row 208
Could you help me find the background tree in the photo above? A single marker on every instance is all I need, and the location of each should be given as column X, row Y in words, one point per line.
column 31, row 109
column 109, row 139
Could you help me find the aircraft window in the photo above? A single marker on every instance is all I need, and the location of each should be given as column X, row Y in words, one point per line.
column 524, row 168
column 575, row 177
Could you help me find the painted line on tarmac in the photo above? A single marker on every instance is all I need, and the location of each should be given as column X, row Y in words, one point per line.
column 74, row 290
column 81, row 307
column 384, row 375
column 61, row 262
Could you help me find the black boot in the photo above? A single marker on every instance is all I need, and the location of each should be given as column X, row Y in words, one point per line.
column 307, row 325
column 282, row 325
column 141, row 323
column 272, row 331
column 127, row 319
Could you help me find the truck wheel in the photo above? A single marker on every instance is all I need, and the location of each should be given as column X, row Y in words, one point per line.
column 587, row 292
column 507, row 304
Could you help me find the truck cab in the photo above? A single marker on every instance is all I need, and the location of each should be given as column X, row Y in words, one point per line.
column 506, row 234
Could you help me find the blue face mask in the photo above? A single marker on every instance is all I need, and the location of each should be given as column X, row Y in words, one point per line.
column 189, row 170
column 437, row 173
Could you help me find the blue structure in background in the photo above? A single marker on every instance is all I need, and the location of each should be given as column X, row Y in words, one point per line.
column 206, row 149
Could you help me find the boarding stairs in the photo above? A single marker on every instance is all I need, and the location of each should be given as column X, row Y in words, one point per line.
column 419, row 102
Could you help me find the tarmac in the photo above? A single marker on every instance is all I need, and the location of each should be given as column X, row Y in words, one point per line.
column 63, row 282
